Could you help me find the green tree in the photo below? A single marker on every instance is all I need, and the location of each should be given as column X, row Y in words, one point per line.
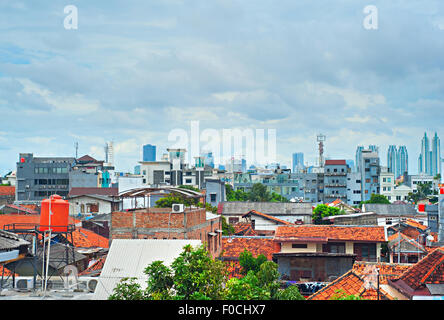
column 259, row 193
column 196, row 274
column 160, row 281
column 128, row 289
column 170, row 199
column 376, row 198
column 227, row 229
column 289, row 293
column 422, row 192
column 322, row 211
column 248, row 262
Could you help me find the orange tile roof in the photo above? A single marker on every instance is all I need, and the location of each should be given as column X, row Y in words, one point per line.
column 266, row 216
column 84, row 238
column 330, row 233
column 244, row 229
column 361, row 281
column 7, row 191
column 232, row 247
column 429, row 270
column 415, row 224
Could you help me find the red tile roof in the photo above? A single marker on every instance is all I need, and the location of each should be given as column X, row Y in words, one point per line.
column 7, row 191
column 361, row 281
column 244, row 229
column 415, row 224
column 232, row 247
column 84, row 238
column 266, row 216
column 330, row 233
column 430, row 270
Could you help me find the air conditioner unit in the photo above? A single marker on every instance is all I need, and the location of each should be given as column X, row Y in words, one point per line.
column 23, row 283
column 92, row 284
column 177, row 207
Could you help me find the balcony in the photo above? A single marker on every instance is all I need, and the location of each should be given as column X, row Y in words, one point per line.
column 335, row 174
column 335, row 185
column 336, row 196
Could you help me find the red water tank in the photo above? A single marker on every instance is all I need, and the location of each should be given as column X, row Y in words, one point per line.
column 441, row 191
column 421, row 207
column 59, row 217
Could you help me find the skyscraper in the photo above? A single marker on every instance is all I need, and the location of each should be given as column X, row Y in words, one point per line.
column 436, row 156
column 424, row 158
column 429, row 160
column 402, row 161
column 149, row 152
column 297, row 162
column 392, row 155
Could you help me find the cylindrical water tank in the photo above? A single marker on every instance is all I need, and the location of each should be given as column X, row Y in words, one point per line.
column 59, row 217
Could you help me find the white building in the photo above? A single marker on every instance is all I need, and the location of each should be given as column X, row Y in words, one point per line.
column 155, row 172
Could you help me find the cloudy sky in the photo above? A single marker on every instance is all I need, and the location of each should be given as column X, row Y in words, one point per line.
column 135, row 70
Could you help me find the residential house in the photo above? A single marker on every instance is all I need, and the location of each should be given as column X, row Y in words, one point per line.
column 425, row 279
column 323, row 252
column 264, row 224
column 362, row 281
column 388, row 214
column 293, row 212
column 92, row 204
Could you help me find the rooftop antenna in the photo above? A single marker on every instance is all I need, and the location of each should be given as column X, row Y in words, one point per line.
column 321, row 139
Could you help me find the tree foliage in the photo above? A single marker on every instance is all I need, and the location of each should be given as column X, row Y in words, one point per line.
column 258, row 193
column 248, row 262
column 194, row 275
column 322, row 211
column 376, row 198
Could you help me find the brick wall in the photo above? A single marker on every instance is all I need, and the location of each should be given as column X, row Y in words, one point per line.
column 161, row 223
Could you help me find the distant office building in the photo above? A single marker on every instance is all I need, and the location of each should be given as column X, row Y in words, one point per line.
column 149, row 152
column 392, row 155
column 137, row 169
column 429, row 161
column 109, row 153
column 402, row 161
column 436, row 156
column 370, row 170
column 38, row 178
column 374, row 148
column 297, row 162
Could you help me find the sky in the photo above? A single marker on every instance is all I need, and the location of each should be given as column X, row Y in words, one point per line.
column 133, row 71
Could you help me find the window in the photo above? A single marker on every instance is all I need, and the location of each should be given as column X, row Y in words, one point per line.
column 187, row 180
column 334, row 247
column 384, row 179
column 213, row 197
column 299, row 245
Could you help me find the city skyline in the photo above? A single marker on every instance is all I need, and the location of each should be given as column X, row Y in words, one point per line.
column 95, row 84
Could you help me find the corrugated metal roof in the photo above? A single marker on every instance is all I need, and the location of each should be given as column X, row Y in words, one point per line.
column 270, row 208
column 130, row 257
